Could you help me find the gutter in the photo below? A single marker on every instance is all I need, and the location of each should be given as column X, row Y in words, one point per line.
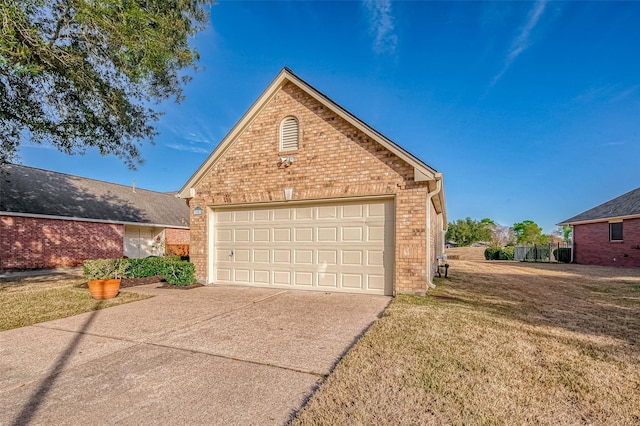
column 430, row 196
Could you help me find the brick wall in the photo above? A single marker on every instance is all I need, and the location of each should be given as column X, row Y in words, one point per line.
column 334, row 160
column 27, row 243
column 592, row 245
column 176, row 236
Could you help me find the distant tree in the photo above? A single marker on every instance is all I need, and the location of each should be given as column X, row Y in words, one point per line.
column 78, row 74
column 468, row 231
column 502, row 235
column 567, row 233
column 528, row 232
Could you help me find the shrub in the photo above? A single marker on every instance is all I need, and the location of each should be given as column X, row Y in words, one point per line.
column 499, row 253
column 492, row 253
column 506, row 253
column 172, row 268
column 562, row 254
column 147, row 267
column 105, row 269
column 179, row 272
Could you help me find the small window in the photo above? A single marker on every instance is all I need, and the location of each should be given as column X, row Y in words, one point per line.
column 289, row 134
column 615, row 231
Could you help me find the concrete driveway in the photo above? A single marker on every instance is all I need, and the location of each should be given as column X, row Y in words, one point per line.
column 212, row 355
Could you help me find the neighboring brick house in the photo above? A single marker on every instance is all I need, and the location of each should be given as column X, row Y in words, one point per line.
column 50, row 219
column 608, row 234
column 302, row 194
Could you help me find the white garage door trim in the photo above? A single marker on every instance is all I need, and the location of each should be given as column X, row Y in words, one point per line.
column 322, row 246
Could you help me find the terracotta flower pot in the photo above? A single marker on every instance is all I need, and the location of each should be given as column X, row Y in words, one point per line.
column 104, row 289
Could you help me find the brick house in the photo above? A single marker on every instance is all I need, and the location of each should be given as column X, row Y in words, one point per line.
column 302, row 194
column 608, row 234
column 50, row 219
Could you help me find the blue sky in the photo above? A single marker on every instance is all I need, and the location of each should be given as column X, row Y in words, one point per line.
column 530, row 109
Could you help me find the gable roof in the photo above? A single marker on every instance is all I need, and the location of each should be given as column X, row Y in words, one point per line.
column 624, row 206
column 422, row 172
column 27, row 191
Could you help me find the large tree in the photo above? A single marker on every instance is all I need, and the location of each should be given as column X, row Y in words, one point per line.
column 528, row 232
column 83, row 73
column 468, row 231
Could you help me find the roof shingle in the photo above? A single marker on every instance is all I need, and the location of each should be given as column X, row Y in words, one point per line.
column 27, row 190
column 625, row 205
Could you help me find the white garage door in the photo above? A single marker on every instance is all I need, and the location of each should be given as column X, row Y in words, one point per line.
column 327, row 247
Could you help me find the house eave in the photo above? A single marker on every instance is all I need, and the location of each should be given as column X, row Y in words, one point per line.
column 598, row 220
column 83, row 219
column 422, row 172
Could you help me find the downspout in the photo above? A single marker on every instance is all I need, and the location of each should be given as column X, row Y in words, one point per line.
column 430, row 283
column 573, row 242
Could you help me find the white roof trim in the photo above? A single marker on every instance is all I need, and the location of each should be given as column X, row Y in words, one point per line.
column 82, row 219
column 601, row 220
column 422, row 172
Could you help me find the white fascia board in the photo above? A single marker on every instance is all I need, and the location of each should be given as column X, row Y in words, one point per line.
column 83, row 219
column 602, row 219
column 422, row 172
column 187, row 190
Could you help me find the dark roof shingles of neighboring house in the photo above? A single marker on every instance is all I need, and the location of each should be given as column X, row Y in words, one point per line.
column 27, row 190
column 624, row 205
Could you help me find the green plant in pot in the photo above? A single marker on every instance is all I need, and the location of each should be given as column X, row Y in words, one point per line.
column 104, row 276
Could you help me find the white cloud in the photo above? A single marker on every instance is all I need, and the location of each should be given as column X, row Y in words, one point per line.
column 189, row 148
column 521, row 42
column 381, row 26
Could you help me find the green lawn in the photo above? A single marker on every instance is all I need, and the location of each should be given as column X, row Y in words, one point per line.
column 498, row 344
column 31, row 300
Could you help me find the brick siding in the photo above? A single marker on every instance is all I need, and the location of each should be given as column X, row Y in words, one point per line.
column 592, row 245
column 176, row 236
column 334, row 160
column 28, row 243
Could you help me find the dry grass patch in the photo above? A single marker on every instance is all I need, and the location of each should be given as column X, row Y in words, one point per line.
column 499, row 343
column 30, row 300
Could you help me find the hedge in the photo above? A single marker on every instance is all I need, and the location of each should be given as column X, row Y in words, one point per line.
column 562, row 254
column 499, row 253
column 172, row 268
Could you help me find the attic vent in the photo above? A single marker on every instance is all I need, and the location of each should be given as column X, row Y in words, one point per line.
column 289, row 134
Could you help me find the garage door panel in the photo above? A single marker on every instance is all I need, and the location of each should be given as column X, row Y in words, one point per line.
column 282, row 214
column 262, row 277
column 375, row 233
column 329, row 257
column 327, row 280
column 302, row 213
column 330, row 247
column 241, row 235
column 241, row 275
column 282, row 277
column 327, row 235
column 303, row 257
column 261, row 235
column 353, row 211
column 352, row 234
column 242, row 216
column 352, row 257
column 303, row 279
column 375, row 282
column 261, row 255
column 304, row 235
column 327, row 212
column 375, row 258
column 222, row 255
column 261, row 215
column 282, row 235
column 241, row 255
column 223, row 275
column 224, row 235
column 352, row 281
